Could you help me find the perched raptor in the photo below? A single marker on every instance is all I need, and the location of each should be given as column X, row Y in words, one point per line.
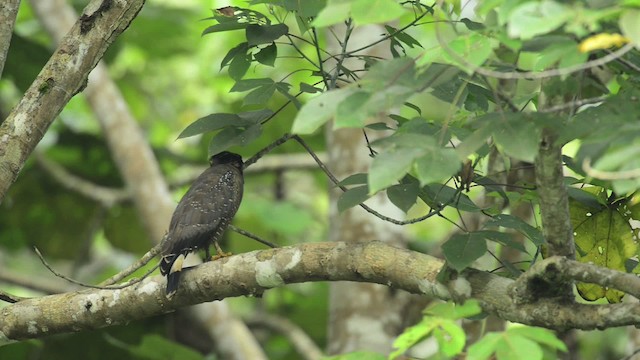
column 202, row 215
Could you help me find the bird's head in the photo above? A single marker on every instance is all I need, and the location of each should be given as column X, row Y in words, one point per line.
column 226, row 157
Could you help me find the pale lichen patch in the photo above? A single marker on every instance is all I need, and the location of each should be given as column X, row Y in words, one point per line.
column 295, row 259
column 266, row 274
column 149, row 288
column 32, row 327
column 115, row 298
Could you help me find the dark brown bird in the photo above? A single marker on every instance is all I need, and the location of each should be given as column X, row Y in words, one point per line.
column 203, row 215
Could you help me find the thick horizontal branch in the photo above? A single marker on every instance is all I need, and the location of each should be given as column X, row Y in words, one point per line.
column 250, row 274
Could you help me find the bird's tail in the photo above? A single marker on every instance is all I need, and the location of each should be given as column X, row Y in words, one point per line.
column 171, row 266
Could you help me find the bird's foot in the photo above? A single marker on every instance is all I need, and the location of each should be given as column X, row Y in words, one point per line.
column 220, row 255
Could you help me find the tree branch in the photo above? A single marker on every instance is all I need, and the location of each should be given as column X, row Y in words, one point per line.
column 62, row 77
column 8, row 13
column 250, row 274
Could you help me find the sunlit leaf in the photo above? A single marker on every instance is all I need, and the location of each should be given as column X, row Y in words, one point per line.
column 536, row 18
column 318, row 111
column 375, row 11
column 390, row 166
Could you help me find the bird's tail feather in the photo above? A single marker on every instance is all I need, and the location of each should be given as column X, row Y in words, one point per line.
column 171, row 266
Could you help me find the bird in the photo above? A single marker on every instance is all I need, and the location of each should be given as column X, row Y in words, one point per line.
column 202, row 215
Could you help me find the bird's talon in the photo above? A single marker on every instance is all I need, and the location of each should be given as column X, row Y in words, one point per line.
column 221, row 255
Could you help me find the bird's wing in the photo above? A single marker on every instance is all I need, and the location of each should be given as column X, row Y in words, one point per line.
column 212, row 201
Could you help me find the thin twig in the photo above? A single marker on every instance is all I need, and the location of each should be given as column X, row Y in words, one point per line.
column 284, row 138
column 333, row 179
column 574, row 104
column 122, row 286
column 253, row 236
column 133, row 267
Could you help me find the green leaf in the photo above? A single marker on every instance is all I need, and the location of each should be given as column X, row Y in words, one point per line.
column 517, row 136
column 473, row 142
column 225, row 26
column 474, row 48
column 604, row 238
column 318, row 111
column 539, row 335
column 461, row 250
column 514, row 222
column 248, row 84
column 332, row 14
column 350, row 112
column 390, row 166
column 436, row 195
column 310, row 89
column 518, row 347
column 267, row 55
column 450, row 337
column 240, row 50
column 233, row 136
column 453, row 311
column 484, row 347
column 630, row 25
column 239, row 66
column 412, row 336
column 354, row 179
column 375, row 11
column 403, row 196
column 353, row 197
column 211, row 123
column 256, row 116
column 537, row 18
column 265, row 34
column 437, row 165
column 502, row 239
column 260, row 96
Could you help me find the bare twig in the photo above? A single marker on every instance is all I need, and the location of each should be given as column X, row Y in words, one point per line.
column 135, row 266
column 284, row 138
column 253, row 236
column 574, row 104
column 116, row 287
column 333, row 179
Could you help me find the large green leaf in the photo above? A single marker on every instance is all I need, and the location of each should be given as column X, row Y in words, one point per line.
column 353, row 197
column 233, row 136
column 265, row 34
column 318, row 111
column 375, row 11
column 390, row 166
column 213, row 122
column 461, row 250
column 605, row 238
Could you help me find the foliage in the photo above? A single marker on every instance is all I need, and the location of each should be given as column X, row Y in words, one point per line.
column 460, row 91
